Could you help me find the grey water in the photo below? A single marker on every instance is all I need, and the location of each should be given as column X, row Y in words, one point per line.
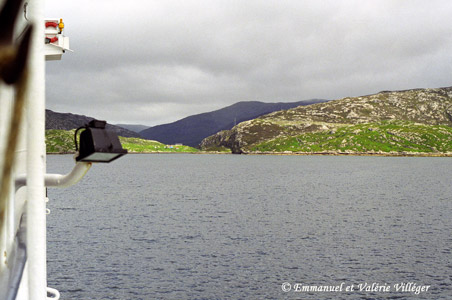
column 253, row 227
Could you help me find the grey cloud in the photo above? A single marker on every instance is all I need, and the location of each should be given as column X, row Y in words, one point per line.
column 169, row 59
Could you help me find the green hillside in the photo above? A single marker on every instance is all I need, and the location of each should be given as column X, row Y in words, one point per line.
column 385, row 137
column 62, row 141
column 409, row 122
column 136, row 145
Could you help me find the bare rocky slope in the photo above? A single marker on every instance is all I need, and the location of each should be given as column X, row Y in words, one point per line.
column 416, row 106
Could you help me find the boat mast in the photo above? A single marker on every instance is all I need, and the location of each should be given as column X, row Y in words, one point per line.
column 36, row 206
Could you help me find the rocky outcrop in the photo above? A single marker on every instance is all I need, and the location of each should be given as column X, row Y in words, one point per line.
column 423, row 106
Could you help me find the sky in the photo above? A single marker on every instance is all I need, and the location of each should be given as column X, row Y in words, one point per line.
column 156, row 61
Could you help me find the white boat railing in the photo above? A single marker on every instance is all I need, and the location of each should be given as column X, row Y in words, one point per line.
column 35, row 127
column 23, row 272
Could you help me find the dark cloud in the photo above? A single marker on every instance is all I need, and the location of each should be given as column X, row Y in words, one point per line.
column 156, row 61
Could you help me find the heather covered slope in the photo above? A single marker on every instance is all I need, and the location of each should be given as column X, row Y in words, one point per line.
column 406, row 111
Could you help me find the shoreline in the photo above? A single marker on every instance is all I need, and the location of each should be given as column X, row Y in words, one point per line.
column 332, row 153
column 357, row 154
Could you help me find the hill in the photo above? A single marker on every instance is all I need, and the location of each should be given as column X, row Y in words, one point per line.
column 417, row 120
column 67, row 121
column 62, row 141
column 133, row 127
column 193, row 129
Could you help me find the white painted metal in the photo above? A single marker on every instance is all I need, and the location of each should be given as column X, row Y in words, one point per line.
column 30, row 160
column 36, row 206
column 6, row 96
column 14, row 206
column 58, row 180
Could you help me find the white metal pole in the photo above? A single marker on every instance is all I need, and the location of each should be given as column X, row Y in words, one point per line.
column 57, row 180
column 36, row 206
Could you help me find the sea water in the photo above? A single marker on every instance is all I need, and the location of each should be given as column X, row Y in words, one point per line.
column 184, row 226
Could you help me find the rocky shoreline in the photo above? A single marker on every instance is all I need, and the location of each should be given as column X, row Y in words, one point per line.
column 338, row 153
column 326, row 153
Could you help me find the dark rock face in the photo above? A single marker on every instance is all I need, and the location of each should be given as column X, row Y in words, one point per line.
column 424, row 106
column 192, row 130
column 67, row 121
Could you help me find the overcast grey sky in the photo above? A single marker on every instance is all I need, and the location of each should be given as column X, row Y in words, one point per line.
column 153, row 62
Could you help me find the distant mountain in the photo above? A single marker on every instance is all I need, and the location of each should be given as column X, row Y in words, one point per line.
column 193, row 129
column 67, row 121
column 133, row 127
column 417, row 120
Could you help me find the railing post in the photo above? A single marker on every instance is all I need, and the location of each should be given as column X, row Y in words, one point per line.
column 36, row 206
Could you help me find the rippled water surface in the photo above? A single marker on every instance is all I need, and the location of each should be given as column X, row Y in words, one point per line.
column 247, row 227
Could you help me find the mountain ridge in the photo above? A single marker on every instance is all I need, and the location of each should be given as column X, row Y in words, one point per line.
column 133, row 127
column 193, row 129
